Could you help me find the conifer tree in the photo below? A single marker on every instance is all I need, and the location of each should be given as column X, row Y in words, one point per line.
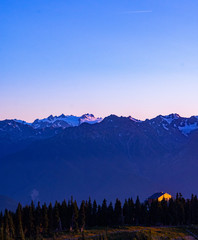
column 180, row 209
column 126, row 212
column 159, row 212
column 31, row 229
column 38, row 217
column 50, row 218
column 64, row 215
column 164, row 212
column 19, row 227
column 172, row 212
column 11, row 225
column 69, row 213
column 153, row 213
column 6, row 226
column 144, row 217
column 94, row 213
column 110, row 214
column 99, row 216
column 25, row 219
column 56, row 216
column 44, row 219
column 118, row 212
column 75, row 216
column 104, row 212
column 187, row 210
column 131, row 211
column 32, row 219
column 137, row 210
column 82, row 215
column 89, row 212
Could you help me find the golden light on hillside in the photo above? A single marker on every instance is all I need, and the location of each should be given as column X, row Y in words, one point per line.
column 159, row 197
column 166, row 197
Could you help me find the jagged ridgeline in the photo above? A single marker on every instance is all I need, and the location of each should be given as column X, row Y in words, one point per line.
column 88, row 156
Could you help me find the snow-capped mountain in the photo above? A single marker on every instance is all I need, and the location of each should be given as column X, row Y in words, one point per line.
column 171, row 122
column 64, row 121
column 174, row 122
column 169, row 118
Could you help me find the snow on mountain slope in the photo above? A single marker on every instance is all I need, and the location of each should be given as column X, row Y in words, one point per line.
column 188, row 128
column 175, row 122
column 65, row 121
column 134, row 119
column 169, row 118
column 89, row 118
column 187, row 125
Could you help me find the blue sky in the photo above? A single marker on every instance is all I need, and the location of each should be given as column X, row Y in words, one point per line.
column 126, row 57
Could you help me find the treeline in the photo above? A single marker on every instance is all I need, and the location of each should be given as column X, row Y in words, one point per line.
column 36, row 222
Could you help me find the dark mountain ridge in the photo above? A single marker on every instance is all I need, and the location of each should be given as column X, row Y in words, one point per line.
column 118, row 157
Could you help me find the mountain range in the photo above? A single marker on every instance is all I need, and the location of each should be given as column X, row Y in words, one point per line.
column 62, row 121
column 63, row 156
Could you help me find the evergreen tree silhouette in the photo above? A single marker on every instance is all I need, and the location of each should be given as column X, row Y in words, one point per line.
column 137, row 210
column 82, row 215
column 104, row 212
column 19, row 227
column 117, row 212
column 75, row 216
column 45, row 222
column 94, row 213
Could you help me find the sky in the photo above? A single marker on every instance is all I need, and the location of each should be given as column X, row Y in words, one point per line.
column 123, row 57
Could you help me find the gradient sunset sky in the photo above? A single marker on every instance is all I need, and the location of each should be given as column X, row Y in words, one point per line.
column 123, row 57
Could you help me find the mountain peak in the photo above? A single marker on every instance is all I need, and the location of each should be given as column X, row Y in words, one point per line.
column 50, row 117
column 111, row 117
column 172, row 116
column 62, row 116
column 89, row 118
column 169, row 118
column 87, row 115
